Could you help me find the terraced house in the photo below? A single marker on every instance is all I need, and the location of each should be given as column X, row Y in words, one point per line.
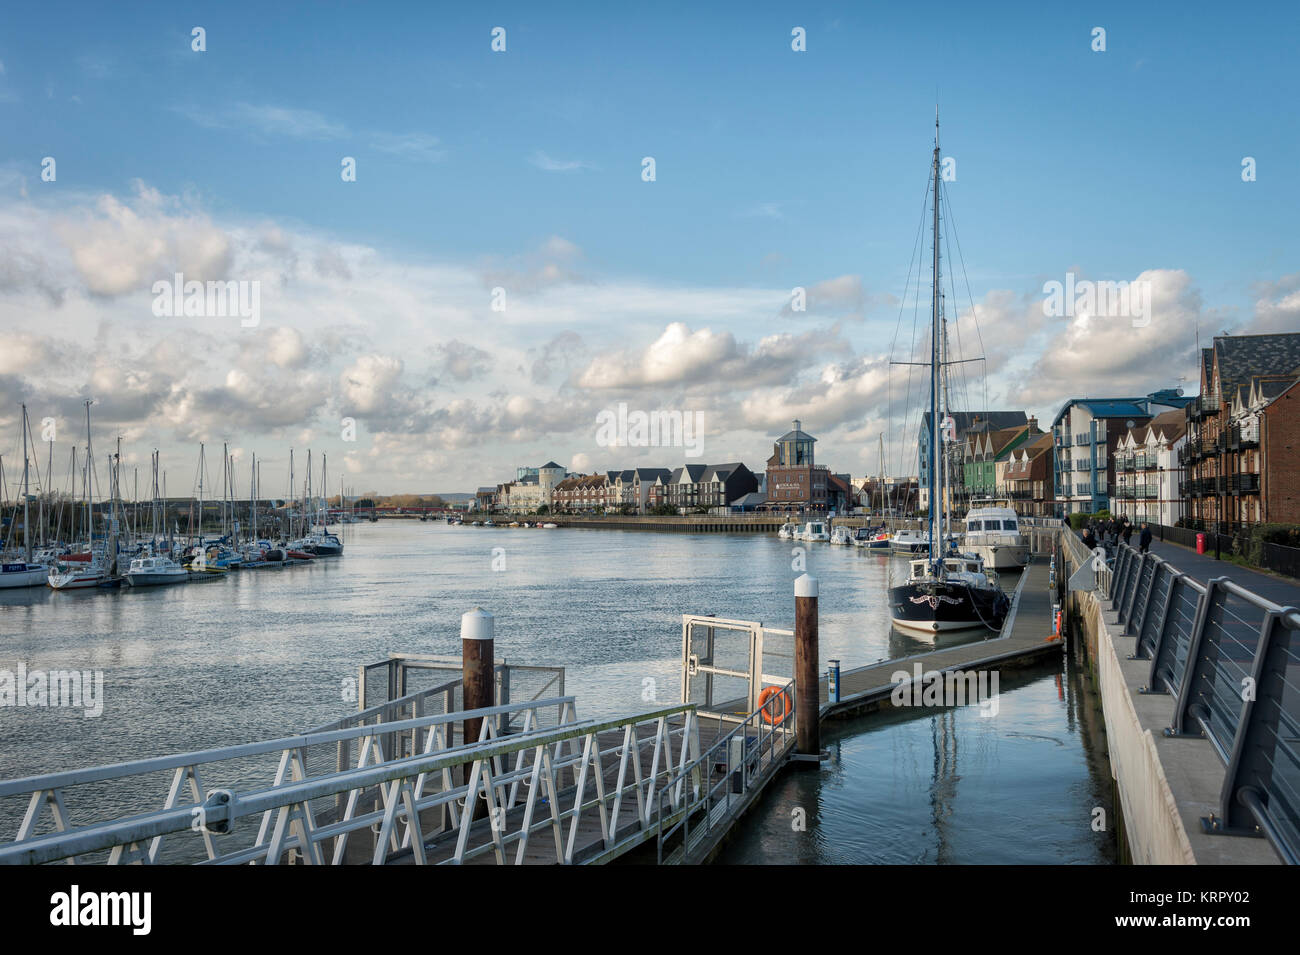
column 1242, row 456
column 1026, row 478
column 983, row 452
column 581, row 494
column 1148, row 472
column 964, row 424
column 703, row 485
column 1086, row 432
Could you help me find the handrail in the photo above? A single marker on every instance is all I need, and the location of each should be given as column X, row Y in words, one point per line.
column 403, row 797
column 76, row 777
column 1228, row 656
column 706, row 794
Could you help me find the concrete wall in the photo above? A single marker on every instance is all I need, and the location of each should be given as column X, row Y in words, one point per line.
column 1164, row 785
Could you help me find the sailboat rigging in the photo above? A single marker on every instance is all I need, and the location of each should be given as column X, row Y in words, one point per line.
column 945, row 590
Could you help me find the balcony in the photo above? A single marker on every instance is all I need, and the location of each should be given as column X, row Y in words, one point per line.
column 1125, row 463
column 1242, row 436
column 1206, row 406
column 1244, row 483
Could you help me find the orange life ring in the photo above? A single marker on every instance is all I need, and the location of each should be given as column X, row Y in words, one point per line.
column 767, row 694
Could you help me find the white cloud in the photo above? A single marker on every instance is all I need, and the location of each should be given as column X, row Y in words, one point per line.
column 542, row 161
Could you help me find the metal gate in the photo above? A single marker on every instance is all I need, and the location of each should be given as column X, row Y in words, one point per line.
column 727, row 663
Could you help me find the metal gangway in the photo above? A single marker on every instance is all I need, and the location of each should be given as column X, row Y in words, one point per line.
column 739, row 676
column 398, row 782
column 559, row 790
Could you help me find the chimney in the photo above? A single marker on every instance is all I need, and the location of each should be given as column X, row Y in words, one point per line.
column 1033, row 423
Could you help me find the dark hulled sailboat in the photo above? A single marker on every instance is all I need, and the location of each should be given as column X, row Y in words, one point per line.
column 944, row 590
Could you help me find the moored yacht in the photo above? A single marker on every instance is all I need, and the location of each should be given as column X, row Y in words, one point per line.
column 909, row 542
column 956, row 593
column 23, row 574
column 871, row 538
column 814, row 531
column 993, row 532
column 152, row 570
column 943, row 590
column 77, row 575
column 788, row 532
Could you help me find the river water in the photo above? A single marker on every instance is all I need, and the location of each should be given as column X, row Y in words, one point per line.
column 264, row 653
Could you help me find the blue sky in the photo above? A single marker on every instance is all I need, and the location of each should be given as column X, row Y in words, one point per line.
column 774, row 168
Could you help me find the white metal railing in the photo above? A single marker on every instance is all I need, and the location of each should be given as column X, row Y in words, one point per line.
column 288, row 821
column 710, row 790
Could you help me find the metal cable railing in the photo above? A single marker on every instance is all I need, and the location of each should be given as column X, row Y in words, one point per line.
column 1231, row 659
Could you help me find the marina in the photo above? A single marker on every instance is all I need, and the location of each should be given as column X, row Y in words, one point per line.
column 552, row 437
column 608, row 683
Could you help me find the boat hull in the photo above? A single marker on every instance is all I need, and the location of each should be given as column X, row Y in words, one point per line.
column 24, row 575
column 931, row 608
column 74, row 581
column 157, row 579
column 1002, row 556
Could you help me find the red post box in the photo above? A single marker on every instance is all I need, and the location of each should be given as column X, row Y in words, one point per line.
column 1200, row 543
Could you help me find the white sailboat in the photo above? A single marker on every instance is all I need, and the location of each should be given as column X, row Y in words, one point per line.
column 79, row 575
column 27, row 572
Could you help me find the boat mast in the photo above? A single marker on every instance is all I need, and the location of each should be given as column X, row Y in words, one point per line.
column 201, row 469
column 936, row 462
column 252, row 497
column 90, row 525
column 27, row 514
column 292, row 494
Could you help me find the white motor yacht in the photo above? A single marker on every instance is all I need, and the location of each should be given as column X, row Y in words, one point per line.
column 993, row 533
column 814, row 531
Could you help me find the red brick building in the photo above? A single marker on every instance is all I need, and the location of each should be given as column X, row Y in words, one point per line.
column 794, row 479
column 1242, row 456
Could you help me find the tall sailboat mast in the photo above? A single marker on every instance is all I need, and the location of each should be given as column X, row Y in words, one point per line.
column 90, row 524
column 27, row 513
column 936, row 443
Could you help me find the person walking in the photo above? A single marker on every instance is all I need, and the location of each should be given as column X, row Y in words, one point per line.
column 1127, row 533
column 1144, row 540
column 1089, row 538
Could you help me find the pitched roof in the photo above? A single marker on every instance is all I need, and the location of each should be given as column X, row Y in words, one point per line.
column 1170, row 424
column 797, row 434
column 968, row 421
column 1242, row 357
column 550, row 466
column 1270, row 388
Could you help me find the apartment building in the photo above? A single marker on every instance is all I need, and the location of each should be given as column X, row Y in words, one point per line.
column 1148, row 470
column 1085, row 433
column 1242, row 453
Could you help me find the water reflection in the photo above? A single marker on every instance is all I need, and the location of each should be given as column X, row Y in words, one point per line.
column 948, row 786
